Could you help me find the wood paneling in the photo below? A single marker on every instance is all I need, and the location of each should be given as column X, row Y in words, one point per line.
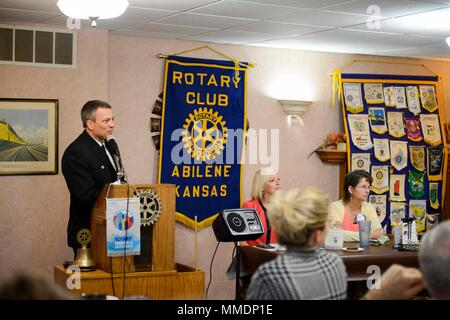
column 180, row 284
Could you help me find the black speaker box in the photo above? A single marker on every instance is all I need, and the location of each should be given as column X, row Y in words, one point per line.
column 237, row 225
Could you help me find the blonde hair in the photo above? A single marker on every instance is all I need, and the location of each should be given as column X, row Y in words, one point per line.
column 296, row 214
column 259, row 180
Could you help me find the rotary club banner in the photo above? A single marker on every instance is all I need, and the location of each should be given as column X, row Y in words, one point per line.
column 203, row 125
column 373, row 93
column 361, row 161
column 418, row 211
column 397, row 187
column 433, row 194
column 435, row 157
column 389, row 99
column 353, row 97
column 417, row 156
column 381, row 149
column 395, row 124
column 412, row 95
column 398, row 212
column 123, row 227
column 380, row 175
column 377, row 120
column 430, row 129
column 399, row 154
column 416, row 184
column 359, row 128
column 428, row 98
column 400, row 98
column 379, row 203
column 412, row 126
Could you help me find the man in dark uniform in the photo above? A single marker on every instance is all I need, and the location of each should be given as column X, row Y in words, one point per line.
column 87, row 166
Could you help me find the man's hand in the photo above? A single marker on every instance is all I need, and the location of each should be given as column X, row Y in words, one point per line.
column 397, row 282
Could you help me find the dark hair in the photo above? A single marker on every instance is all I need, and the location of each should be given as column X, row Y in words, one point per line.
column 89, row 110
column 352, row 179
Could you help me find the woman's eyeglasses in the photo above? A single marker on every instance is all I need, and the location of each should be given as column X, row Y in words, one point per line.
column 366, row 188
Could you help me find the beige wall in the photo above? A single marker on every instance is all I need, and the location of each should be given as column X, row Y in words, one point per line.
column 125, row 71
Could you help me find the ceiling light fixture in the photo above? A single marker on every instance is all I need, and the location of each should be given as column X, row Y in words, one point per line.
column 93, row 9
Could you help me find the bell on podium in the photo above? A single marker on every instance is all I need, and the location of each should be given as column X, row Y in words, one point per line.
column 84, row 258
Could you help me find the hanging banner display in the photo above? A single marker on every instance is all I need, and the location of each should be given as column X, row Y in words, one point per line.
column 430, row 129
column 398, row 212
column 418, row 211
column 395, row 124
column 435, row 163
column 416, row 184
column 428, row 98
column 203, row 125
column 400, row 98
column 361, row 161
column 377, row 120
column 381, row 149
column 379, row 203
column 408, row 160
column 434, row 195
column 397, row 187
column 389, row 99
column 123, row 227
column 359, row 128
column 417, row 156
column 380, row 175
column 373, row 93
column 353, row 97
column 412, row 95
column 412, row 126
column 399, row 154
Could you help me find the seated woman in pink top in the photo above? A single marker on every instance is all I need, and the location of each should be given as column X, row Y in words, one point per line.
column 263, row 188
column 357, row 185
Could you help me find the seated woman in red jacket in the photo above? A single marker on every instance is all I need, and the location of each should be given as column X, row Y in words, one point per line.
column 264, row 187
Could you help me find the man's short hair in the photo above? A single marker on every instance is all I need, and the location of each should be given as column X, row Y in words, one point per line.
column 89, row 110
column 434, row 260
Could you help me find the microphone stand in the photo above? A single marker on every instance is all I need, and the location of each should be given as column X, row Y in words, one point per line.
column 238, row 270
column 120, row 171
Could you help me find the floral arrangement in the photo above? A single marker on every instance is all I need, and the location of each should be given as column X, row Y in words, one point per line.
column 332, row 139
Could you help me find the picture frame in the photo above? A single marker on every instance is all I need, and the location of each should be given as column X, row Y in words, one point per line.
column 28, row 136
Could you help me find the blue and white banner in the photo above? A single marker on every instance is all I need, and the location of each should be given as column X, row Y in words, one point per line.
column 123, row 230
column 203, row 130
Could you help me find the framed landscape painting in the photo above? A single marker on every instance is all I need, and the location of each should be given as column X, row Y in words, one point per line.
column 28, row 136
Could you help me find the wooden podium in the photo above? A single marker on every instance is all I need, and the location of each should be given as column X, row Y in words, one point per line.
column 163, row 279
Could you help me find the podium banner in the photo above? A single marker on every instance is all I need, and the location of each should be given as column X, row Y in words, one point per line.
column 203, row 130
column 123, row 222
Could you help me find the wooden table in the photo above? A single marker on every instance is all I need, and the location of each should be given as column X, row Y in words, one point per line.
column 355, row 263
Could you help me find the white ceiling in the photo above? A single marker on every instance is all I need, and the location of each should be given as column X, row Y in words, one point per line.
column 408, row 28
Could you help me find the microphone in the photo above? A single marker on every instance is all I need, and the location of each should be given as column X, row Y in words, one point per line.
column 114, row 148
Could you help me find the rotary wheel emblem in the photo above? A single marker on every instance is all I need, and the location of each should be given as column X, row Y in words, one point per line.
column 204, row 134
column 83, row 236
column 150, row 206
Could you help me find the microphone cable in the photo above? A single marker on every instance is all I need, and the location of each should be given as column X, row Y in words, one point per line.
column 210, row 270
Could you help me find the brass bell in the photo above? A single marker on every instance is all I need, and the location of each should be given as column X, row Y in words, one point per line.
column 84, row 258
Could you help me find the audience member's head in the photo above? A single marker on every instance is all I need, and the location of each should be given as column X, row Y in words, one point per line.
column 299, row 216
column 31, row 287
column 434, row 260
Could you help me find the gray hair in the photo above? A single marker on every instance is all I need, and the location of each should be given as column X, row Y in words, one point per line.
column 434, row 260
column 89, row 110
column 296, row 214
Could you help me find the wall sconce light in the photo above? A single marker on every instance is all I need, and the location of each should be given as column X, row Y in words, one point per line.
column 295, row 108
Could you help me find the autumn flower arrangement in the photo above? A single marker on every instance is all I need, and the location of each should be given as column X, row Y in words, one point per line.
column 332, row 140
